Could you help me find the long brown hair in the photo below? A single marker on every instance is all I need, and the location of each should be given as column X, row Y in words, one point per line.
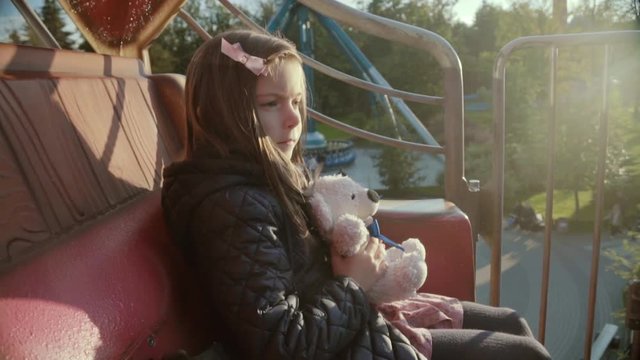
column 220, row 101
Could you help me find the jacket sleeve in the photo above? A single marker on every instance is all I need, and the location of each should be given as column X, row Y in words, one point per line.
column 238, row 246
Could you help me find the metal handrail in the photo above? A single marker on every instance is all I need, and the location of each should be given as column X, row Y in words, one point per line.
column 553, row 42
column 363, row 84
column 392, row 30
column 325, row 69
column 406, row 145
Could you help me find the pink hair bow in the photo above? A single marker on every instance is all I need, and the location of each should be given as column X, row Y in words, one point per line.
column 255, row 64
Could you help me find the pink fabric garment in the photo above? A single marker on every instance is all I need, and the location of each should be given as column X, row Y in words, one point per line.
column 414, row 316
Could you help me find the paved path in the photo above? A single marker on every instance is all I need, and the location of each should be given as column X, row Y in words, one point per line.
column 568, row 288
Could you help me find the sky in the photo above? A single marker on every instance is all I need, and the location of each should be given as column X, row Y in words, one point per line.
column 464, row 10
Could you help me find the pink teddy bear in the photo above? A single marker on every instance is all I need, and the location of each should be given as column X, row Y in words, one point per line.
column 343, row 209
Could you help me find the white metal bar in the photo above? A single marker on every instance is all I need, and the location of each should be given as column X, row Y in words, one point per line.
column 601, row 344
column 36, row 24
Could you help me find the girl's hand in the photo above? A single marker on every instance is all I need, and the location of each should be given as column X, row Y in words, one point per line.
column 365, row 267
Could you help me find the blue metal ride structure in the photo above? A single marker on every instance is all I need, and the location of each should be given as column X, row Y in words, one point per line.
column 340, row 152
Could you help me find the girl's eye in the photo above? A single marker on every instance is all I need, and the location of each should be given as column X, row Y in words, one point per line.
column 297, row 102
column 270, row 104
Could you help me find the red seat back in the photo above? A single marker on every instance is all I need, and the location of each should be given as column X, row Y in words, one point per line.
column 446, row 234
column 86, row 266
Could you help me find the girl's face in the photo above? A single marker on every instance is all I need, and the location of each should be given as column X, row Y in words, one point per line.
column 278, row 99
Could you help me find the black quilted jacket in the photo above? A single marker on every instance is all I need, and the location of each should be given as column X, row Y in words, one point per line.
column 273, row 290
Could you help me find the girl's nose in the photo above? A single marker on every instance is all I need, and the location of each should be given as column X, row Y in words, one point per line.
column 292, row 117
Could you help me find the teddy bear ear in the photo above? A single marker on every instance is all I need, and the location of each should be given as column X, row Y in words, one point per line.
column 322, row 212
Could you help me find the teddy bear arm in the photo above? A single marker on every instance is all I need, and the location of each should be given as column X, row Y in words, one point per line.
column 349, row 234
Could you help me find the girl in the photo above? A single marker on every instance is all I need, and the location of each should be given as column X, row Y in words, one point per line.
column 237, row 208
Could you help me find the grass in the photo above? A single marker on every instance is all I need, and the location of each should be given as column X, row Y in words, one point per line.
column 331, row 133
column 564, row 207
column 564, row 204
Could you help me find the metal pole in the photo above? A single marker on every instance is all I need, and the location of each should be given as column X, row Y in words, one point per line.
column 499, row 84
column 597, row 228
column 635, row 345
column 632, row 317
column 193, row 24
column 551, row 164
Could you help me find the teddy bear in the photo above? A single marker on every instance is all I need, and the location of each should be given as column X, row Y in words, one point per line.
column 343, row 209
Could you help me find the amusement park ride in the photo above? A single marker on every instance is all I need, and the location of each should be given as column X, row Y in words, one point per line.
column 87, row 269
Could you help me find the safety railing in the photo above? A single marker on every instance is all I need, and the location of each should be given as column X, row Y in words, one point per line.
column 495, row 193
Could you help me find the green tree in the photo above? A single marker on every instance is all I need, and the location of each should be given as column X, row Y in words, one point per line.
column 478, row 46
column 607, row 14
column 579, row 114
column 15, row 37
column 52, row 16
column 172, row 50
column 398, row 169
column 418, row 71
column 266, row 10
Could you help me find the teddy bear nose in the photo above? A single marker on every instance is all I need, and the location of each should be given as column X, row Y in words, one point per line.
column 373, row 196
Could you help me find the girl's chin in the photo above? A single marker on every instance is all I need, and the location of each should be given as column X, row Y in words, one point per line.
column 287, row 149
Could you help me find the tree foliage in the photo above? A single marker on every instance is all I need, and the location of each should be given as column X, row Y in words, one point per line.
column 172, row 51
column 54, row 18
column 52, row 15
column 398, row 169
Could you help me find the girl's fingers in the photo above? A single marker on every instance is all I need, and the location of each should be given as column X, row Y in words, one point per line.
column 380, row 252
column 370, row 244
column 382, row 267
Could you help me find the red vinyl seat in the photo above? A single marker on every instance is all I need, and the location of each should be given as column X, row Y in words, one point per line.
column 446, row 234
